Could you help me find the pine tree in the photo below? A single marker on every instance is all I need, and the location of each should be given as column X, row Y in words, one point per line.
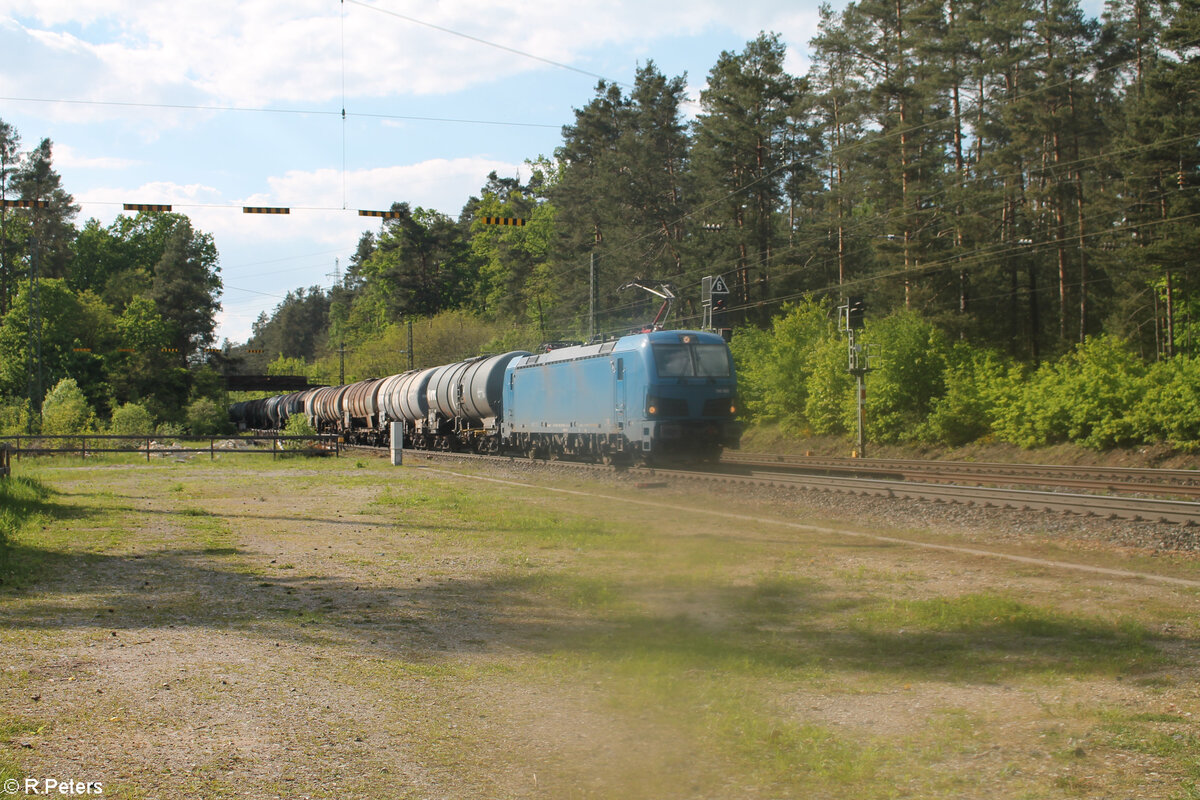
column 740, row 156
column 51, row 228
column 619, row 197
column 186, row 286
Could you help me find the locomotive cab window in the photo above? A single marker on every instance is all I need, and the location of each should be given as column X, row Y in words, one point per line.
column 692, row 360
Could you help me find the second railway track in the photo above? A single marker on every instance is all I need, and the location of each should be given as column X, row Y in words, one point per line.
column 936, row 490
column 1168, row 483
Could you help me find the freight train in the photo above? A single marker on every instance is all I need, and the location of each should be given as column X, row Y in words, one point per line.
column 646, row 397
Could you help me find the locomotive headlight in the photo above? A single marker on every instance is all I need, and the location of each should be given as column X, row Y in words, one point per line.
column 732, row 408
column 651, row 406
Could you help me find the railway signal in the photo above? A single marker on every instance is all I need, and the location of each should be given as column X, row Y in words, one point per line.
column 852, row 319
column 856, row 309
column 714, row 293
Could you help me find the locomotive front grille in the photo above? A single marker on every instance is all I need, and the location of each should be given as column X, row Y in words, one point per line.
column 667, row 407
column 718, row 407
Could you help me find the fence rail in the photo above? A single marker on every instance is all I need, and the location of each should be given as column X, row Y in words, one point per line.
column 89, row 444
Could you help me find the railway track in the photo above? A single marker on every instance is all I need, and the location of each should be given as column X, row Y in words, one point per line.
column 1167, row 483
column 934, row 484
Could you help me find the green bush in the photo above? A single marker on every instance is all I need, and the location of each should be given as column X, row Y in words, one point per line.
column 298, row 425
column 286, row 365
column 14, row 417
column 1099, row 395
column 168, row 430
column 1108, row 383
column 909, row 377
column 206, row 418
column 1019, row 414
column 65, row 410
column 1169, row 409
column 830, row 405
column 750, row 347
column 775, row 368
column 974, row 385
column 1086, row 397
column 131, row 419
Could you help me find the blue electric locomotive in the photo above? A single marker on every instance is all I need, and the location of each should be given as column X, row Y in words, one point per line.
column 654, row 395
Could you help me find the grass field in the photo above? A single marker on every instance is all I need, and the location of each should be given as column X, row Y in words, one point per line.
column 341, row 628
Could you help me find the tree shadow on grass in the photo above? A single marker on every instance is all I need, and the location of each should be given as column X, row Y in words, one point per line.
column 787, row 627
column 25, row 498
column 787, row 624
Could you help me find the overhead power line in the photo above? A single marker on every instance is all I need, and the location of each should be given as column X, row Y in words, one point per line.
column 476, row 39
column 258, row 110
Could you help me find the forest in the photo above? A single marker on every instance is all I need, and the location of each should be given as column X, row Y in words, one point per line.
column 1010, row 186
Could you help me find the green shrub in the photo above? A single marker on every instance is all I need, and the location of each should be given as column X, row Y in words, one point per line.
column 830, row 405
column 298, row 425
column 1099, row 395
column 974, row 384
column 1169, row 409
column 1018, row 415
column 14, row 417
column 168, row 430
column 131, row 419
column 775, row 368
column 206, row 418
column 1086, row 397
column 1092, row 390
column 909, row 377
column 65, row 410
column 286, row 365
column 750, row 347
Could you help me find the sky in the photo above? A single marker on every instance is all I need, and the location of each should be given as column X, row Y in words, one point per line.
column 215, row 105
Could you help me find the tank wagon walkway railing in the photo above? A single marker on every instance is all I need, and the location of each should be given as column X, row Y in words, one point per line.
column 89, row 444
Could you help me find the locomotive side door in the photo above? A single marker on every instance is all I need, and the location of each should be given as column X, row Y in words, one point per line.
column 618, row 367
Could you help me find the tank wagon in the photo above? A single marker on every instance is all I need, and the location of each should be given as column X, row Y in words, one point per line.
column 269, row 413
column 647, row 396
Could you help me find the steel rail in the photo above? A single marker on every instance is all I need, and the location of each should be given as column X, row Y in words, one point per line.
column 1088, row 505
column 1114, row 479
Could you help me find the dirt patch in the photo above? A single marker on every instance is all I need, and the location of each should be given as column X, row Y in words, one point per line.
column 345, row 631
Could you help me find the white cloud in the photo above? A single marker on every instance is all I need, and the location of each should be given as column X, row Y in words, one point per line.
column 230, row 52
column 68, row 157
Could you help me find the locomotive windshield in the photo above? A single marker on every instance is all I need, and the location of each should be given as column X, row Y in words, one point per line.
column 692, row 360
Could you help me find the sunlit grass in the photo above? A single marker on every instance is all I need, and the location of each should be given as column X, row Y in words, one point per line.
column 662, row 624
column 12, row 728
